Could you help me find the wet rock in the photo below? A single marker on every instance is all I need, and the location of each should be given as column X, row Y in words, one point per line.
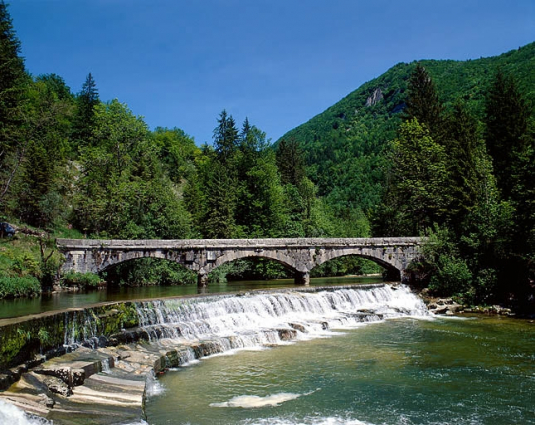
column 298, row 327
column 77, row 377
column 36, row 361
column 6, row 379
column 444, row 306
column 47, row 401
column 57, row 386
column 172, row 359
column 287, row 334
column 207, row 348
column 63, row 373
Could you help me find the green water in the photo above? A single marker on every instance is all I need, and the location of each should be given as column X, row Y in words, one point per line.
column 403, row 371
column 63, row 300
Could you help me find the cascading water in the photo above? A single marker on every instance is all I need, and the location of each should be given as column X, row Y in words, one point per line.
column 12, row 415
column 259, row 319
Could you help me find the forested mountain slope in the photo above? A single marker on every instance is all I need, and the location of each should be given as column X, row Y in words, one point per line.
column 344, row 144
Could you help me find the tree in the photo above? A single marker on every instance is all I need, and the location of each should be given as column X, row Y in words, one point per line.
column 462, row 145
column 291, row 162
column 225, row 137
column 40, row 186
column 220, row 202
column 84, row 120
column 123, row 190
column 57, row 85
column 418, row 178
column 506, row 118
column 177, row 152
column 13, row 79
column 423, row 102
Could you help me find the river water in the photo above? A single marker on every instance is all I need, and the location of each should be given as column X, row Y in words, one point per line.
column 64, row 300
column 402, row 371
column 411, row 368
column 369, row 355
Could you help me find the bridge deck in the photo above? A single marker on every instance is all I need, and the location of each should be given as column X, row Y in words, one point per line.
column 237, row 243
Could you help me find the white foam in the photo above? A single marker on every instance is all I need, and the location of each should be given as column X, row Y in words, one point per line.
column 253, row 401
column 153, row 387
column 333, row 420
column 12, row 415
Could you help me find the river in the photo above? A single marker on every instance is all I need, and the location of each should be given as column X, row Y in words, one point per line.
column 401, row 371
column 63, row 300
column 369, row 355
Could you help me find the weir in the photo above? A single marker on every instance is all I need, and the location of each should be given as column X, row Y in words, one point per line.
column 178, row 331
column 301, row 255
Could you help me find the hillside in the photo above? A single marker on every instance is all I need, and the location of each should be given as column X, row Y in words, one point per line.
column 344, row 144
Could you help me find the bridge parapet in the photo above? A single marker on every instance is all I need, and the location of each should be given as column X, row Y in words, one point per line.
column 204, row 255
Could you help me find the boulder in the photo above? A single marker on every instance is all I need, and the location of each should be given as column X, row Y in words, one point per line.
column 444, row 306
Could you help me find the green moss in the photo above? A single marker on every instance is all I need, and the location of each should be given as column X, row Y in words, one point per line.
column 19, row 342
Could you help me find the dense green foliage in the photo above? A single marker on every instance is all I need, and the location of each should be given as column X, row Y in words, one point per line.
column 82, row 280
column 442, row 148
column 345, row 144
column 472, row 195
column 19, row 286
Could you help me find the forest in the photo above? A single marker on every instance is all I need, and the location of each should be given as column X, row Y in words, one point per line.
column 443, row 149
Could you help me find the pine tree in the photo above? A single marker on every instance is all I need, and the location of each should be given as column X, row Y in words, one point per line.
column 291, row 162
column 423, row 102
column 506, row 119
column 461, row 142
column 225, row 137
column 84, row 120
column 13, row 79
column 221, row 203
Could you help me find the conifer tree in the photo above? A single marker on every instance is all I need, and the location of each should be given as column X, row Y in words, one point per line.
column 225, row 137
column 13, row 78
column 506, row 119
column 423, row 102
column 461, row 142
column 84, row 120
column 221, row 203
column 291, row 162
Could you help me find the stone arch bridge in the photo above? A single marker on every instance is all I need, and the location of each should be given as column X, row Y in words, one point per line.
column 204, row 255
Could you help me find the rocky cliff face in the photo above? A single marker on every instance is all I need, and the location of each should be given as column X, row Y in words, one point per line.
column 375, row 98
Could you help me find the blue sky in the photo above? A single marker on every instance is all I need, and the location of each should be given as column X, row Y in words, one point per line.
column 179, row 63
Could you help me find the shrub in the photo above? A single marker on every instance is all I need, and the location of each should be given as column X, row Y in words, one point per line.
column 82, row 280
column 11, row 287
column 452, row 277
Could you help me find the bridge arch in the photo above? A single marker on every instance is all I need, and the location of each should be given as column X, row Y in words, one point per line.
column 149, row 269
column 279, row 257
column 104, row 260
column 392, row 270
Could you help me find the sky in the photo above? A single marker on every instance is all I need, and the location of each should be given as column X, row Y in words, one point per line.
column 179, row 63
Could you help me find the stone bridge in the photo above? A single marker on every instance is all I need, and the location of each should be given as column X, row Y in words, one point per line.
column 204, row 255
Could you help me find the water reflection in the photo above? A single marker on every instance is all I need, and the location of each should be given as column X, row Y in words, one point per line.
column 65, row 300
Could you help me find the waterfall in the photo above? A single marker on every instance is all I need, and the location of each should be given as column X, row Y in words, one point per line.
column 258, row 319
